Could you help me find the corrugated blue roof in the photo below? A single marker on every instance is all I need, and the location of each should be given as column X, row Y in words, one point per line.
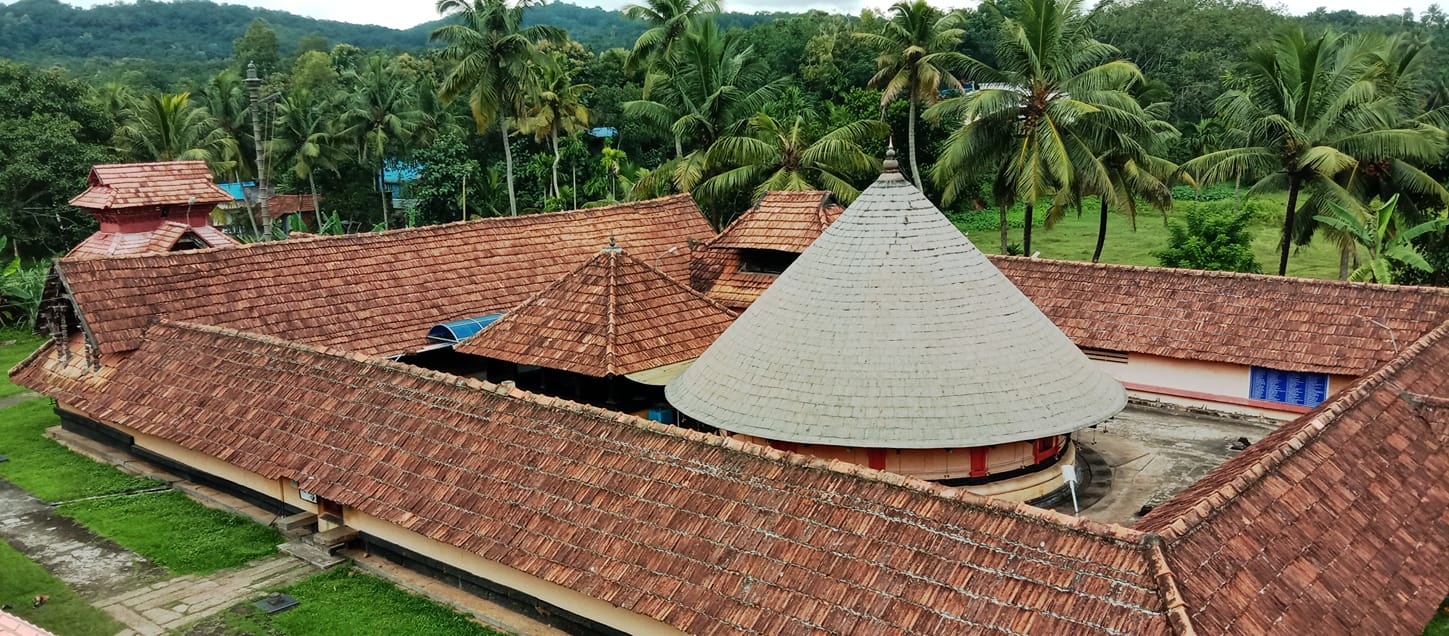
column 235, row 188
column 457, row 330
column 401, row 172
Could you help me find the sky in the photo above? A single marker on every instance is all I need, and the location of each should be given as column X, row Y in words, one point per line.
column 402, row 14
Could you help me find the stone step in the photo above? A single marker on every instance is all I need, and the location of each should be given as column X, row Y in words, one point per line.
column 335, row 538
column 317, row 556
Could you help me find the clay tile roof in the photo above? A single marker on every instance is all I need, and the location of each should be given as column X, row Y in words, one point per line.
column 614, row 315
column 1292, row 324
column 783, row 220
column 375, row 293
column 162, row 239
column 128, row 185
column 706, row 534
column 893, row 331
column 12, row 625
column 290, row 204
column 1336, row 523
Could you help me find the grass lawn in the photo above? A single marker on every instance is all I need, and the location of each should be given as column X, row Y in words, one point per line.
column 1074, row 238
column 175, row 532
column 48, row 470
column 64, row 613
column 1439, row 626
column 14, row 346
column 343, row 602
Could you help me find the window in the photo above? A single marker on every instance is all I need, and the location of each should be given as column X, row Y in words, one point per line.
column 765, row 261
column 1105, row 355
column 1288, row 387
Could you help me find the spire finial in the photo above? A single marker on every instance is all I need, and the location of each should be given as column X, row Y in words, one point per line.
column 890, row 164
column 613, row 247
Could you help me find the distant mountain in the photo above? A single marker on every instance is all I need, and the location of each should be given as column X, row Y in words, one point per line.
column 198, row 31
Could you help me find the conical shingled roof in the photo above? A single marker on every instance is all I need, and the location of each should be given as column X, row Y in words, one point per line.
column 613, row 315
column 893, row 331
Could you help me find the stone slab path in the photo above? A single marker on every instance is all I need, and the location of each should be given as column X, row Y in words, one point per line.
column 93, row 566
column 174, row 603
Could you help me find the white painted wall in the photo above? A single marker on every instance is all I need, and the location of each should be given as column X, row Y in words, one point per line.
column 1218, row 379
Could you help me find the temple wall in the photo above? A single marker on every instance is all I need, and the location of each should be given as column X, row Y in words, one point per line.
column 1214, row 386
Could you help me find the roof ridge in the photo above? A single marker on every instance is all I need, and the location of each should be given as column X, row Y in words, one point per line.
column 535, row 296
column 41, row 351
column 1175, row 606
column 611, row 331
column 1083, row 525
column 692, row 291
column 1204, row 273
column 1309, row 427
column 441, row 228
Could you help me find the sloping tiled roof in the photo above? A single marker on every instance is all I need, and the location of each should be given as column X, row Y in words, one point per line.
column 1336, row 523
column 788, row 221
column 12, row 625
column 706, row 534
column 290, row 204
column 163, row 239
column 614, row 315
column 892, row 331
column 374, row 293
column 128, row 185
column 1293, row 324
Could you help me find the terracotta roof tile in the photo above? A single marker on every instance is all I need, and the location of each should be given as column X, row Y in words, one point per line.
column 704, row 533
column 788, row 221
column 614, row 315
column 280, row 204
column 163, row 239
column 1292, row 324
column 128, row 185
column 1343, row 512
column 12, row 625
column 373, row 293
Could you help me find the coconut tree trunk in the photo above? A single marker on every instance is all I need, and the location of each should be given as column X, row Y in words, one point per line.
column 1005, row 227
column 251, row 216
column 556, row 193
column 911, row 139
column 508, row 164
column 1026, row 235
column 382, row 192
column 1101, row 232
column 316, row 213
column 1287, row 238
column 1343, row 258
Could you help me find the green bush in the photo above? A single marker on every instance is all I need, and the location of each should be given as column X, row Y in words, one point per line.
column 989, row 219
column 1216, row 237
column 1217, row 192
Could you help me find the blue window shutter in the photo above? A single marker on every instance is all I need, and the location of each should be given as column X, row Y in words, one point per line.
column 1287, row 387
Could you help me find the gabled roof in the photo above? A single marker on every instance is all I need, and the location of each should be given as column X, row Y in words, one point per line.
column 614, row 315
column 706, row 534
column 782, row 220
column 162, row 239
column 129, row 185
column 892, row 331
column 1293, row 324
column 290, row 204
column 376, row 293
column 12, row 625
column 1336, row 523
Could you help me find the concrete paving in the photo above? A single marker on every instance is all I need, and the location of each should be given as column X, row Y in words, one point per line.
column 1156, row 453
column 175, row 603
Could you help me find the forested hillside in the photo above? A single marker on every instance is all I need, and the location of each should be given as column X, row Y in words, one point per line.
column 1215, row 134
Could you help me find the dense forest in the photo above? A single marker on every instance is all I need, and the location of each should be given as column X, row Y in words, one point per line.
column 1012, row 116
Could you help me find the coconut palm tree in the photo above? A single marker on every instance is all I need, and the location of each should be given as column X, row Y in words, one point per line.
column 491, row 53
column 554, row 106
column 782, row 156
column 304, row 138
column 1312, row 111
column 1055, row 99
column 225, row 97
column 168, row 127
column 917, row 59
column 380, row 118
column 668, row 21
column 1380, row 236
column 715, row 84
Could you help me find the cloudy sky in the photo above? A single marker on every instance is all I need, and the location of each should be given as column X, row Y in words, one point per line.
column 406, row 13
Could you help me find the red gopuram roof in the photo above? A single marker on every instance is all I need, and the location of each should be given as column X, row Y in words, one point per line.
column 130, row 185
column 163, row 239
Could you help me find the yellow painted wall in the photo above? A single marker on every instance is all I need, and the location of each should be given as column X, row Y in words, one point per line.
column 1215, row 378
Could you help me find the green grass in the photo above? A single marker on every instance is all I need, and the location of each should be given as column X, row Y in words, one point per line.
column 45, row 468
column 343, row 602
column 64, row 613
column 1439, row 625
column 16, row 345
column 1075, row 237
column 175, row 532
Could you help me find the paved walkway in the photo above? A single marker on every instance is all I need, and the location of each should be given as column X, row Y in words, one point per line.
column 174, row 603
column 93, row 566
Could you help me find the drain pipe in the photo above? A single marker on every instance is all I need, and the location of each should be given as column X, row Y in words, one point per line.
column 1069, row 475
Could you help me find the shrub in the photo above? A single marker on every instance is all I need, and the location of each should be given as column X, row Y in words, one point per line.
column 1216, row 237
column 1217, row 192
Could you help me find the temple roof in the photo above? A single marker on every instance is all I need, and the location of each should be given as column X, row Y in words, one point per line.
column 129, row 185
column 614, row 315
column 893, row 331
column 785, row 220
column 162, row 239
column 374, row 293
